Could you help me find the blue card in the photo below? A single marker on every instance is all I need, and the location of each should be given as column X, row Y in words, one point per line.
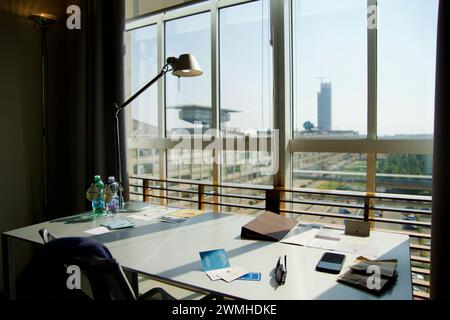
column 214, row 259
column 252, row 276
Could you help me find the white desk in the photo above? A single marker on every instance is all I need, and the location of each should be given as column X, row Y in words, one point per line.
column 170, row 252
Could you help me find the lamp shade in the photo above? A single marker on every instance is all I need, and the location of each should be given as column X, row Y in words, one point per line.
column 43, row 19
column 187, row 66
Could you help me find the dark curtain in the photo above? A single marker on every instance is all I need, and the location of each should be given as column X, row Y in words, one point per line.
column 440, row 235
column 88, row 80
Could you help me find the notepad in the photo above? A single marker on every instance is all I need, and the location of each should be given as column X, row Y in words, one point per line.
column 216, row 265
column 214, row 261
column 118, row 224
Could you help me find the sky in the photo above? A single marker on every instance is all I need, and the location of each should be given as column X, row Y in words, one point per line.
column 330, row 41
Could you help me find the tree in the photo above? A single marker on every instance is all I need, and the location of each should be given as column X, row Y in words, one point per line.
column 308, row 126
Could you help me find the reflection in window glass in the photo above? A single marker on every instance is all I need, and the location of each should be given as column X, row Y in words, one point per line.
column 331, row 171
column 407, row 35
column 330, row 68
column 188, row 100
column 245, row 68
column 404, row 173
column 143, row 67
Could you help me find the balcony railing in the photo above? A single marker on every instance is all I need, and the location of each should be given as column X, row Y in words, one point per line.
column 398, row 213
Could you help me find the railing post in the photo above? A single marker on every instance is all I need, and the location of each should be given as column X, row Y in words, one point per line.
column 201, row 196
column 366, row 208
column 145, row 190
column 273, row 200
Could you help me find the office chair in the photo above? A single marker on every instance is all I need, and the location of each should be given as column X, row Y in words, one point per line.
column 46, row 275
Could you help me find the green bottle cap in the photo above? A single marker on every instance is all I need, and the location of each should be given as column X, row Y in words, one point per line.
column 97, row 178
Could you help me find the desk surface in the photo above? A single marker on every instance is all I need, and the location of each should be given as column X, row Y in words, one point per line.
column 171, row 252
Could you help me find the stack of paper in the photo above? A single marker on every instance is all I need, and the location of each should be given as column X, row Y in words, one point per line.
column 216, row 265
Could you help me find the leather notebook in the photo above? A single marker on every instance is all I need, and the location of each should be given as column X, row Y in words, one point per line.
column 268, row 226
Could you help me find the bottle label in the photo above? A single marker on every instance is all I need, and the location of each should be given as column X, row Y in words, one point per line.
column 108, row 194
column 92, row 192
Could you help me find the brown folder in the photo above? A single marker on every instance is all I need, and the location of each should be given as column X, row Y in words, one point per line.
column 268, row 226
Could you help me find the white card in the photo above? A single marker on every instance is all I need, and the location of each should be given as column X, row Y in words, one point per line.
column 214, row 274
column 230, row 274
column 98, row 230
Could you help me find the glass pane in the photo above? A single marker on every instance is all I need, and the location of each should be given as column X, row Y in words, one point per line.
column 188, row 100
column 406, row 68
column 330, row 68
column 245, row 68
column 142, row 68
column 247, row 167
column 144, row 162
column 404, row 173
column 330, row 171
column 189, row 164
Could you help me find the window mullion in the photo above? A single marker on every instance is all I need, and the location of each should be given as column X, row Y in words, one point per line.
column 161, row 101
column 215, row 111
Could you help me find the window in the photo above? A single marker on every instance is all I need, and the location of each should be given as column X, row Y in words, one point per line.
column 245, row 69
column 330, row 68
column 188, row 101
column 331, row 48
column 407, row 35
column 142, row 68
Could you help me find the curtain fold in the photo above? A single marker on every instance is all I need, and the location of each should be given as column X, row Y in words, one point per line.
column 89, row 81
column 440, row 235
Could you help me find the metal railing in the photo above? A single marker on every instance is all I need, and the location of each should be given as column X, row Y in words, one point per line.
column 405, row 214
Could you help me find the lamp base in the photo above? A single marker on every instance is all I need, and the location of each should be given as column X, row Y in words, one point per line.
column 134, row 206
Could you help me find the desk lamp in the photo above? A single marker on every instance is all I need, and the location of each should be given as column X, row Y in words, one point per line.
column 184, row 66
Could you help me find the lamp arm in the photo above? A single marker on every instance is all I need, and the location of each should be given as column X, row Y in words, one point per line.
column 134, row 96
column 119, row 109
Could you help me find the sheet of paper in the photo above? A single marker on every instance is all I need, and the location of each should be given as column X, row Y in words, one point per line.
column 302, row 234
column 356, row 245
column 154, row 212
column 326, row 239
column 215, row 274
column 231, row 273
column 98, row 230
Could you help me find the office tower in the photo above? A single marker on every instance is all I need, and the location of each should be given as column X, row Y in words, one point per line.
column 324, row 106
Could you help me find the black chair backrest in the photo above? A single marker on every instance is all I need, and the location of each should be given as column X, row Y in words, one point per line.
column 106, row 278
column 46, row 276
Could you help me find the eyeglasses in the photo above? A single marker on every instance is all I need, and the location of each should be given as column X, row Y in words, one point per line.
column 281, row 271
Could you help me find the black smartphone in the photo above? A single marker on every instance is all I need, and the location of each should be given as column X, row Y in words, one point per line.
column 331, row 263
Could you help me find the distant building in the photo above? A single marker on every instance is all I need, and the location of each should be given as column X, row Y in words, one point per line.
column 201, row 114
column 324, row 107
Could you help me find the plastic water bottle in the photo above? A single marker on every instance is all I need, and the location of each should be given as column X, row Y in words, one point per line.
column 112, row 199
column 98, row 205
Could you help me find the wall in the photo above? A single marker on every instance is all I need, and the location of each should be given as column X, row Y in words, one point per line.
column 21, row 180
